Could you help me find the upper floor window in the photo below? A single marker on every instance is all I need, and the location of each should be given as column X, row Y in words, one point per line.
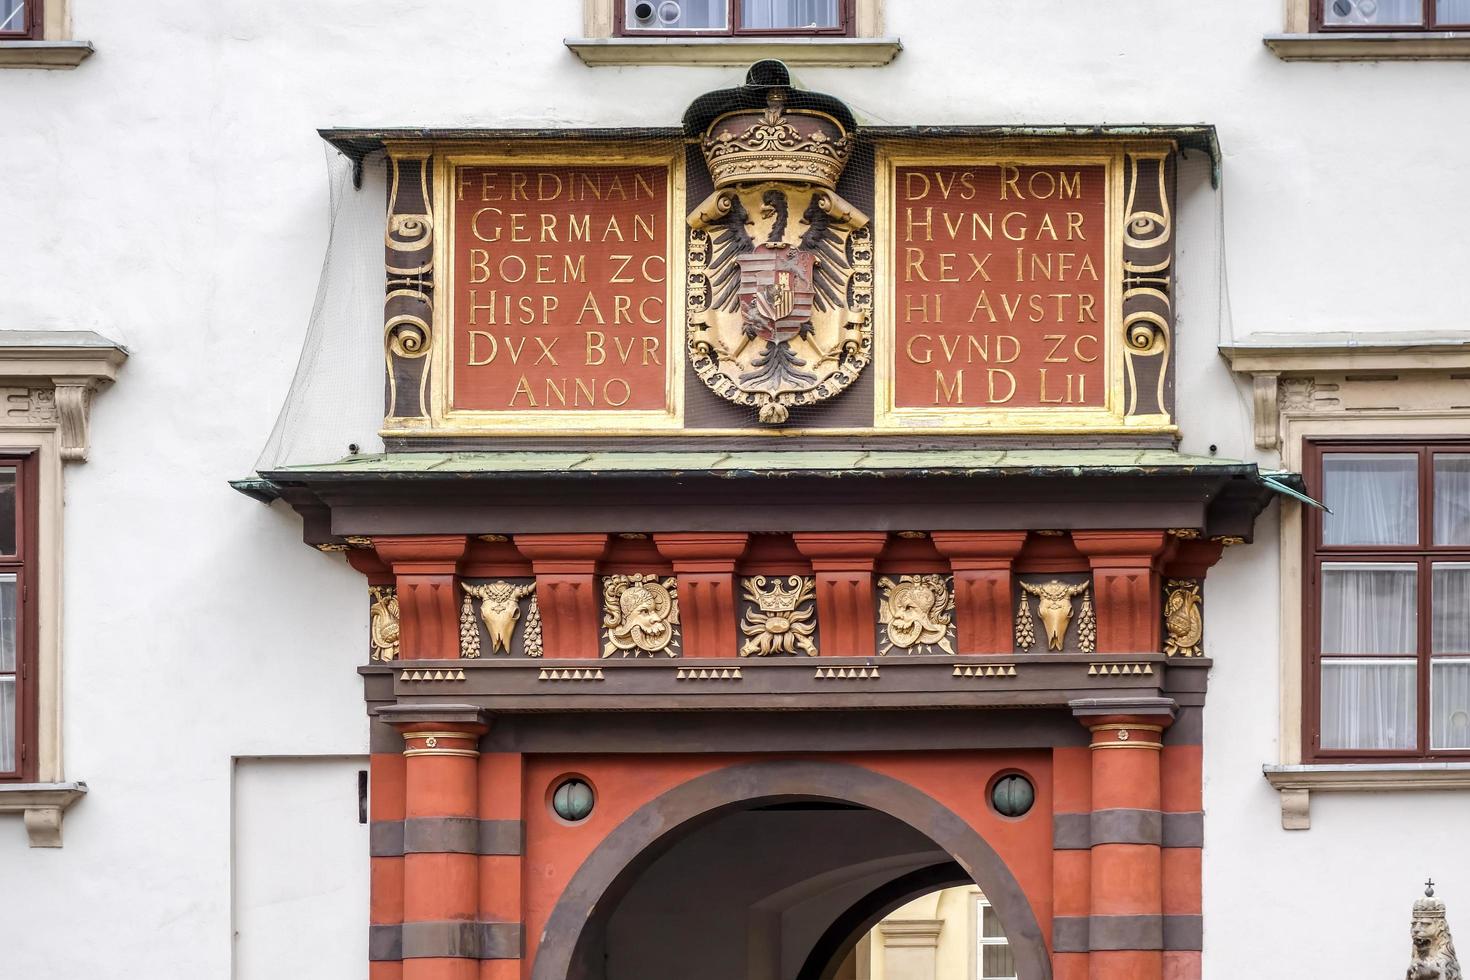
column 1391, row 15
column 17, row 647
column 735, row 17
column 20, row 19
column 1388, row 600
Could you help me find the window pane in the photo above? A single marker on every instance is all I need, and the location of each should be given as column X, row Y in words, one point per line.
column 1373, row 12
column 990, row 924
column 7, row 623
column 1451, row 607
column 1452, row 494
column 1374, row 498
column 1369, row 704
column 12, row 15
column 997, row 962
column 1453, row 12
column 1449, row 704
column 789, row 14
column 1369, row 608
column 676, row 15
column 7, row 724
column 7, row 505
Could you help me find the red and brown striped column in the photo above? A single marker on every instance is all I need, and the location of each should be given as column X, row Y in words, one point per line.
column 1125, row 932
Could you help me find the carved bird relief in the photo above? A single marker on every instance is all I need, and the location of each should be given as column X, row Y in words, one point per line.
column 1054, row 607
column 1182, row 619
column 383, row 622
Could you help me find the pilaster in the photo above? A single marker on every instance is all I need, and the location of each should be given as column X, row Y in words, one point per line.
column 566, row 588
column 842, row 564
column 704, row 565
column 424, row 567
column 981, row 562
column 1125, row 577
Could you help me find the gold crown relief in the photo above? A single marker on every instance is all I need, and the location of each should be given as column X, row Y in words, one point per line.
column 747, row 146
column 778, row 600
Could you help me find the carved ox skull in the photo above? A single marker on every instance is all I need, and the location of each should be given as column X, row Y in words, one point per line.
column 500, row 607
column 1054, row 606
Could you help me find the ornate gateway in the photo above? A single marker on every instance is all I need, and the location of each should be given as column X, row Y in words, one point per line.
column 780, row 266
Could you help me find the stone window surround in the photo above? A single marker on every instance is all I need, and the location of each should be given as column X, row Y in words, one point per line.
column 55, row 49
column 1298, row 42
column 1389, row 385
column 47, row 380
column 868, row 46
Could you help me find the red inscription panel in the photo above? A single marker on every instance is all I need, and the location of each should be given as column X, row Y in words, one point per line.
column 560, row 288
column 1000, row 286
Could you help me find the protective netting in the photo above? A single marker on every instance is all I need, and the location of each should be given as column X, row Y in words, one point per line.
column 335, row 406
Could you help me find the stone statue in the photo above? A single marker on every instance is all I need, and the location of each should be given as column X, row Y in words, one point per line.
column 1434, row 950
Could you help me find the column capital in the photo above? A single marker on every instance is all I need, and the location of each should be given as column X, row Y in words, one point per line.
column 422, row 554
column 841, row 549
column 1120, row 547
column 702, row 551
column 465, row 716
column 1125, row 723
column 552, row 549
column 979, row 549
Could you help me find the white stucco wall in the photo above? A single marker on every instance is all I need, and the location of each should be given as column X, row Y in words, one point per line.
column 170, row 194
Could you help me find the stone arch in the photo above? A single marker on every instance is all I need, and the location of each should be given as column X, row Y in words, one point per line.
column 580, row 917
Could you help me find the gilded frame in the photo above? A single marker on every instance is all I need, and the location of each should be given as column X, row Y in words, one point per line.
column 1112, row 416
column 447, row 420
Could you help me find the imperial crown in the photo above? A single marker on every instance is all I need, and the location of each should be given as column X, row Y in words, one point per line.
column 779, row 143
column 778, row 600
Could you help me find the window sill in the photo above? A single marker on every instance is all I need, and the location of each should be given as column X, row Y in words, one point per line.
column 44, row 54
column 844, row 52
column 1297, row 783
column 42, row 804
column 1397, row 46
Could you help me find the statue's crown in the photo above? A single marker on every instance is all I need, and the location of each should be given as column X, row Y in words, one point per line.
column 776, row 133
column 1428, row 907
column 779, row 600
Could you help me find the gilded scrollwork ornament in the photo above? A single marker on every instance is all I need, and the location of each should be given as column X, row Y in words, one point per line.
column 383, row 622
column 780, row 266
column 781, row 617
column 1184, row 625
column 500, row 610
column 917, row 614
column 640, row 616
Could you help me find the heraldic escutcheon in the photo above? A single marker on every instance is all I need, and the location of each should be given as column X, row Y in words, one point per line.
column 780, row 266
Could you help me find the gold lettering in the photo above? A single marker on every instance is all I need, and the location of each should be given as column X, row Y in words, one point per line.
column 1074, row 225
column 548, row 227
column 1005, row 226
column 595, row 340
column 574, row 271
column 622, row 309
column 990, row 376
column 541, row 194
column 481, row 361
column 618, row 276
column 928, row 351
column 479, row 265
column 927, row 224
column 982, row 302
column 1077, row 346
column 950, row 394
column 642, row 183
column 908, row 185
column 946, row 267
column 1000, row 357
column 518, row 186
column 546, row 353
column 1010, row 176
column 476, row 306
column 650, row 350
column 579, row 231
column 607, row 392
column 487, row 184
column 1070, row 188
column 647, row 276
column 1084, row 308
column 1051, row 357
column 642, row 225
column 523, row 387
column 979, row 268
column 643, row 312
column 914, row 263
column 613, row 228
column 590, row 305
column 475, row 225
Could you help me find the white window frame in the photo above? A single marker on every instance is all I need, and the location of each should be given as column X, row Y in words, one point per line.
column 978, row 906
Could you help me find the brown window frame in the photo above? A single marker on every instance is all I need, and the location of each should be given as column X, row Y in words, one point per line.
column 23, row 563
column 846, row 15
column 34, row 22
column 1431, row 22
column 1423, row 554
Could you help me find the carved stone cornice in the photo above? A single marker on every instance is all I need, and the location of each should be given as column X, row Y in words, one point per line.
column 55, row 374
column 1293, row 374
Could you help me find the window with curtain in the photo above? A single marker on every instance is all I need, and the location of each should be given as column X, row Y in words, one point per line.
column 17, row 672
column 1391, row 15
column 726, row 17
column 993, row 957
column 1389, row 601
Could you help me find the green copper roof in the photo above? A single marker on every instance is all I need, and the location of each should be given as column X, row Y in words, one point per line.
column 832, row 463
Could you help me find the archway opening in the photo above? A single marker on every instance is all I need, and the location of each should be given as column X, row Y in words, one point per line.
column 770, row 871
